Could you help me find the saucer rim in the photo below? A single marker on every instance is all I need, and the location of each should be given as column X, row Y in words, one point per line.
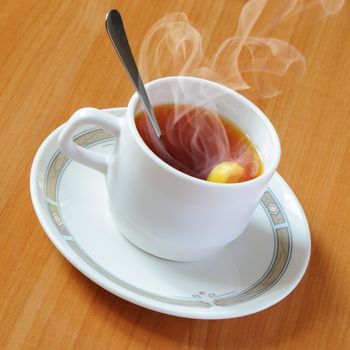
column 129, row 295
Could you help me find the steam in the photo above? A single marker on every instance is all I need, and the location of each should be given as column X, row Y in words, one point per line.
column 250, row 58
column 200, row 140
column 251, row 50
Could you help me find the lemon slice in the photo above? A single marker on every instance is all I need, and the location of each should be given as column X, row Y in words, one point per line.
column 226, row 172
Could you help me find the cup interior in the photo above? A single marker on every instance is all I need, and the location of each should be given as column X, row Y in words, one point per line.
column 222, row 100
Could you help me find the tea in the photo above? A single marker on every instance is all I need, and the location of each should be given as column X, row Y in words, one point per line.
column 201, row 141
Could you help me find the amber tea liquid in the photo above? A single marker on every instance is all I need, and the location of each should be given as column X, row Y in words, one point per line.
column 200, row 139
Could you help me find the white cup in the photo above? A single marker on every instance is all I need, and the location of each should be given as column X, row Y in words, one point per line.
column 158, row 208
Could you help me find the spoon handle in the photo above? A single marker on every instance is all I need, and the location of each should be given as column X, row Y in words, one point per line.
column 116, row 32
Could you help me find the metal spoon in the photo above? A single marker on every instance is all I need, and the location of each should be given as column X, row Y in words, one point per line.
column 116, row 32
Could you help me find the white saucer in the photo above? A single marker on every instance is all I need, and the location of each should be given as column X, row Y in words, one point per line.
column 250, row 274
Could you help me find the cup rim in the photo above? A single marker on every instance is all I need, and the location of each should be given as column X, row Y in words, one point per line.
column 267, row 171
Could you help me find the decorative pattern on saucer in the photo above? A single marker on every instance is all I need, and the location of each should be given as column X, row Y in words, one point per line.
column 205, row 299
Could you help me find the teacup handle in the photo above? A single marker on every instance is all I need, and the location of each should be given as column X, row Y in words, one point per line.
column 85, row 116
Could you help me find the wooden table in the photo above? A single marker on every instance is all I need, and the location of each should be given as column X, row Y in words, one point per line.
column 55, row 58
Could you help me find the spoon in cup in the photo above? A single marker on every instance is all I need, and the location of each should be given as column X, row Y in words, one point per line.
column 117, row 34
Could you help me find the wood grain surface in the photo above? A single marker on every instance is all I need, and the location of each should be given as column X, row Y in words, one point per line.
column 55, row 58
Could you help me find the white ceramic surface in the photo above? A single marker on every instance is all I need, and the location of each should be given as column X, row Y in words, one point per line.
column 159, row 209
column 253, row 272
